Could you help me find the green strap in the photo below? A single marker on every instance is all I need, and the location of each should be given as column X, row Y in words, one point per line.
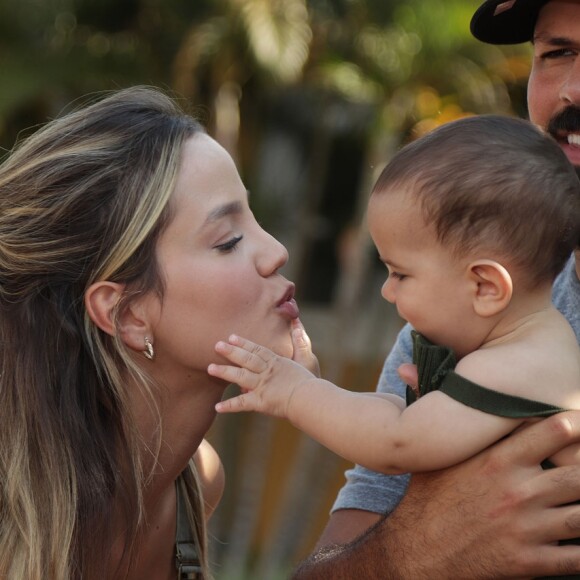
column 494, row 402
column 435, row 366
column 186, row 560
column 432, row 363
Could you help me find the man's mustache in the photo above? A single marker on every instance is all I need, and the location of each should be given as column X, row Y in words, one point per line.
column 567, row 121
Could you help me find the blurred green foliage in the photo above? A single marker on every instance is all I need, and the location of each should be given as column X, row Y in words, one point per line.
column 307, row 95
column 416, row 56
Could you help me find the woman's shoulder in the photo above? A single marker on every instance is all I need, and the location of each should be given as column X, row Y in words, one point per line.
column 211, row 475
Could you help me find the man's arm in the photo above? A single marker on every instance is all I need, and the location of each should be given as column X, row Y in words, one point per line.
column 497, row 515
column 346, row 525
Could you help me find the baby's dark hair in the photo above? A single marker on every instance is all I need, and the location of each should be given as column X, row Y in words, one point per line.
column 494, row 184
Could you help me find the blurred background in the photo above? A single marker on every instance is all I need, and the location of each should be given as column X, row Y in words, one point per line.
column 311, row 98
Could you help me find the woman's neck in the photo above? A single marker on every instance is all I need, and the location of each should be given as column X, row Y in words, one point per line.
column 172, row 433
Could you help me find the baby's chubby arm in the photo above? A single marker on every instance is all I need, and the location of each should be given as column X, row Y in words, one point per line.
column 346, row 422
column 376, row 432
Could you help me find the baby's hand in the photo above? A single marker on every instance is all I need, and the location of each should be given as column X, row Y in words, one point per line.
column 268, row 381
column 409, row 375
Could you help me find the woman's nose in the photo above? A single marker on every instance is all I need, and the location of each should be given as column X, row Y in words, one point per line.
column 272, row 257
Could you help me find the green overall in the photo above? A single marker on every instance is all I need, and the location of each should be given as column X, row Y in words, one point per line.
column 435, row 367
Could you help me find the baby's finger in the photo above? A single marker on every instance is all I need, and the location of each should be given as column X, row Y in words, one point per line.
column 300, row 340
column 244, row 353
column 250, row 346
column 240, row 376
column 303, row 354
column 234, row 405
column 409, row 375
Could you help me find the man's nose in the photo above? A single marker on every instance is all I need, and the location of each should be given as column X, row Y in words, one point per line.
column 570, row 90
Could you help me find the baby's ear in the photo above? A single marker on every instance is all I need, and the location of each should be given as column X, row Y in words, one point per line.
column 493, row 287
column 101, row 301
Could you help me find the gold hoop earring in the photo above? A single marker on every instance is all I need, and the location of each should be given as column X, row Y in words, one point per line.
column 148, row 352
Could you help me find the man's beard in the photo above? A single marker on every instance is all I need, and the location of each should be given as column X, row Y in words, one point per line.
column 566, row 121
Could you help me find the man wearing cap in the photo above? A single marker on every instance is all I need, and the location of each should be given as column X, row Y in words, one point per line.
column 498, row 514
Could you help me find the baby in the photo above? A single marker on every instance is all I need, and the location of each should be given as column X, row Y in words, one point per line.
column 473, row 222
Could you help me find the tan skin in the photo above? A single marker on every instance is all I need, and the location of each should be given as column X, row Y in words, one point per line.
column 496, row 516
column 221, row 274
column 157, row 548
column 508, row 532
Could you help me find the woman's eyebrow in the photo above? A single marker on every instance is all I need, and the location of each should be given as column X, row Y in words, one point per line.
column 234, row 207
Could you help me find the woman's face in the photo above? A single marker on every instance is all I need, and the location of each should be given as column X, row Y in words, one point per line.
column 219, row 266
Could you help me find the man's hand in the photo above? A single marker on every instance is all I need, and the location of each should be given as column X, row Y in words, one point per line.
column 497, row 515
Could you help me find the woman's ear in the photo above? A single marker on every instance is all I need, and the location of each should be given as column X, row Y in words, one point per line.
column 102, row 300
column 493, row 287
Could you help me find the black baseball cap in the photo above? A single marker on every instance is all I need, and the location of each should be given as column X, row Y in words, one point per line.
column 506, row 21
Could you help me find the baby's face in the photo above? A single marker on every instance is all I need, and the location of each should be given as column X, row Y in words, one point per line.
column 429, row 286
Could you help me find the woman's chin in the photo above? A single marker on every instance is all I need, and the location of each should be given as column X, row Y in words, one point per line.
column 282, row 347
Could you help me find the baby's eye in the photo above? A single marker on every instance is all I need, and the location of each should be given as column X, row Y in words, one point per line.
column 397, row 275
column 230, row 245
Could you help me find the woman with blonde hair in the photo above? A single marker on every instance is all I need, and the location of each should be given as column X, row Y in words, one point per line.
column 127, row 249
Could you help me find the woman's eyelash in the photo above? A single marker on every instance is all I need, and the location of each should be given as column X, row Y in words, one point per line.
column 229, row 245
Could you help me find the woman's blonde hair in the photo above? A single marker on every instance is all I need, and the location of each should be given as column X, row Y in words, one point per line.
column 83, row 199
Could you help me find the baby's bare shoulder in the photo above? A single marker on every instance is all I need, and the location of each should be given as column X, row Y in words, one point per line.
column 547, row 371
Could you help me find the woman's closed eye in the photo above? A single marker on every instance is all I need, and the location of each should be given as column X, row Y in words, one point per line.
column 230, row 245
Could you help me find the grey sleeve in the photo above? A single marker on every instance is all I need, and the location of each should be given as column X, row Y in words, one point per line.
column 365, row 489
column 566, row 295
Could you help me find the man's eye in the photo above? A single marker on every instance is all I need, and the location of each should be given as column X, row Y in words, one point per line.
column 230, row 245
column 558, row 53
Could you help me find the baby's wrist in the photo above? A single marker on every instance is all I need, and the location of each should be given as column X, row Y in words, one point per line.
column 294, row 404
